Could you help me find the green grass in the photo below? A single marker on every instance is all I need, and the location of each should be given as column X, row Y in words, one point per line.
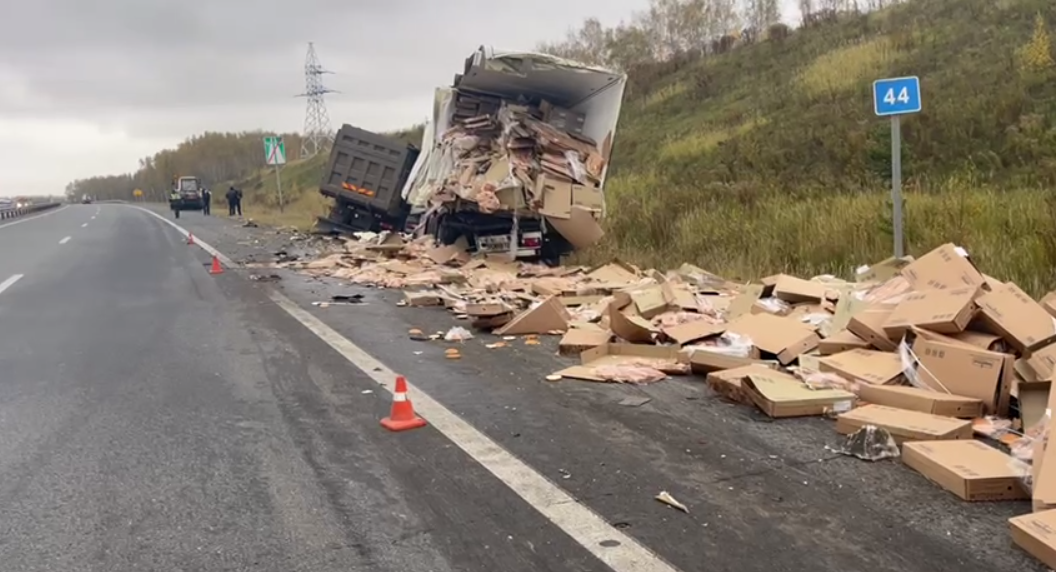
column 768, row 158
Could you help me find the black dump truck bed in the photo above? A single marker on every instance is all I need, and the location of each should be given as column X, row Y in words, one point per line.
column 365, row 177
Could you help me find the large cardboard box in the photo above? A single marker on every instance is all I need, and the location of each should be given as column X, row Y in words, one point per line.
column 923, row 400
column 774, row 395
column 963, row 370
column 969, row 469
column 904, row 425
column 1036, row 535
column 1020, row 320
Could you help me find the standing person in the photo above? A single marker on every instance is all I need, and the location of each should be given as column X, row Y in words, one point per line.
column 232, row 196
column 238, row 201
column 207, row 198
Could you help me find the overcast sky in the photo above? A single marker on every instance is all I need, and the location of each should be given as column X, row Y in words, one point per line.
column 87, row 87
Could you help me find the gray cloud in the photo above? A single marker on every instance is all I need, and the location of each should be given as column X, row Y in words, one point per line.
column 159, row 70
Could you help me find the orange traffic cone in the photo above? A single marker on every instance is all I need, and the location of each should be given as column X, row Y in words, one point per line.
column 402, row 417
column 216, row 268
column 190, row 238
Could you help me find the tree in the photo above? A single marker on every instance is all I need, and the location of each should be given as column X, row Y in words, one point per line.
column 759, row 15
column 806, row 10
column 1036, row 55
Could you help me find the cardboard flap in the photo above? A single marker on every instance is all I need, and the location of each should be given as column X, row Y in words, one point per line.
column 548, row 316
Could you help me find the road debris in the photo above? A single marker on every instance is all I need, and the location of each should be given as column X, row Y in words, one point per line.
column 666, row 498
column 870, row 443
column 910, row 351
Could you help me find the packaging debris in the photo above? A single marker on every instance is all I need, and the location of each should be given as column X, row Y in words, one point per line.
column 666, row 498
column 921, row 350
column 870, row 443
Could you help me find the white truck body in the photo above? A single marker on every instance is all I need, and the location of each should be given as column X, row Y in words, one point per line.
column 527, row 77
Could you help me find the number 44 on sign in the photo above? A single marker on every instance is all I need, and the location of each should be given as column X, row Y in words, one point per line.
column 896, row 96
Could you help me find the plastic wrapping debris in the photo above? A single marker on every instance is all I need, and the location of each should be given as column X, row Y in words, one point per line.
column 870, row 443
column 815, row 320
column 1028, row 450
column 910, row 363
column 666, row 498
column 458, row 334
column 775, row 306
column 728, row 344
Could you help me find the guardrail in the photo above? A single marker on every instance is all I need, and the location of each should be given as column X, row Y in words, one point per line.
column 14, row 211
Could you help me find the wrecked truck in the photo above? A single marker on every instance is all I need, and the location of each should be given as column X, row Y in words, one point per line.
column 365, row 176
column 515, row 156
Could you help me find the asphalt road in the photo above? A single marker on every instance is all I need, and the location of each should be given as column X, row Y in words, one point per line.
column 155, row 417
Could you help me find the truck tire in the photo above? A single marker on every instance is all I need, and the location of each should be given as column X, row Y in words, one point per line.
column 554, row 247
column 446, row 234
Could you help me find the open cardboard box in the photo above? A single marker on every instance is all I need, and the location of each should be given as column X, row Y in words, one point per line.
column 616, row 354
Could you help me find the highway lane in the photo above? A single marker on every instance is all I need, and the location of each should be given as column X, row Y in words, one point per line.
column 154, row 417
column 763, row 495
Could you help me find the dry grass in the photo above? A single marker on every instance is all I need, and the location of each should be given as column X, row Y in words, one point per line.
column 1010, row 234
column 848, row 67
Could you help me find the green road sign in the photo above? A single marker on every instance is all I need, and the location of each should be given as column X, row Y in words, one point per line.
column 274, row 151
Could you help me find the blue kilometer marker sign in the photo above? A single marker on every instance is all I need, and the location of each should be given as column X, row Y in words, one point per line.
column 896, row 96
column 893, row 98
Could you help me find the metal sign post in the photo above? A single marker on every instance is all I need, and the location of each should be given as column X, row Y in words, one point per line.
column 894, row 98
column 275, row 155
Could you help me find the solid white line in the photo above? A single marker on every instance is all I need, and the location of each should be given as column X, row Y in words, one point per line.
column 65, row 240
column 34, row 217
column 577, row 520
column 10, row 282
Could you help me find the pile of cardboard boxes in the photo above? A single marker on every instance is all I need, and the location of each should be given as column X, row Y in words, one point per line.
column 503, row 156
column 930, row 350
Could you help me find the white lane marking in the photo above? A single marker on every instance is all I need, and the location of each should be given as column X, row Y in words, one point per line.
column 84, row 225
column 10, row 282
column 93, row 217
column 65, row 240
column 34, row 217
column 577, row 520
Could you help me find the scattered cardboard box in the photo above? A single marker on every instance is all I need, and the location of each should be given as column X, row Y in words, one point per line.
column 783, row 338
column 1020, row 320
column 962, row 370
column 923, row 400
column 904, row 425
column 727, row 382
column 841, row 342
column 945, row 311
column 945, row 267
column 869, row 366
column 778, row 397
column 1036, row 535
column 969, row 469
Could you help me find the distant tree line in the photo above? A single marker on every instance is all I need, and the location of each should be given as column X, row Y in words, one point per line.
column 215, row 157
column 673, row 29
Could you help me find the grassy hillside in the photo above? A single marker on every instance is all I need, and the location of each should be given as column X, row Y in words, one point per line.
column 769, row 158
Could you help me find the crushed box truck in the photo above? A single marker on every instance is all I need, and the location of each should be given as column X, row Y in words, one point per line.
column 515, row 156
column 365, row 176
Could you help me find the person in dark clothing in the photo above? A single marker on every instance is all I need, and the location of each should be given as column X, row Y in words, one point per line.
column 207, row 198
column 238, row 201
column 232, row 197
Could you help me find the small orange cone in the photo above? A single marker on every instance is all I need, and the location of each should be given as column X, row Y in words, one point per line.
column 216, row 268
column 190, row 238
column 402, row 417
